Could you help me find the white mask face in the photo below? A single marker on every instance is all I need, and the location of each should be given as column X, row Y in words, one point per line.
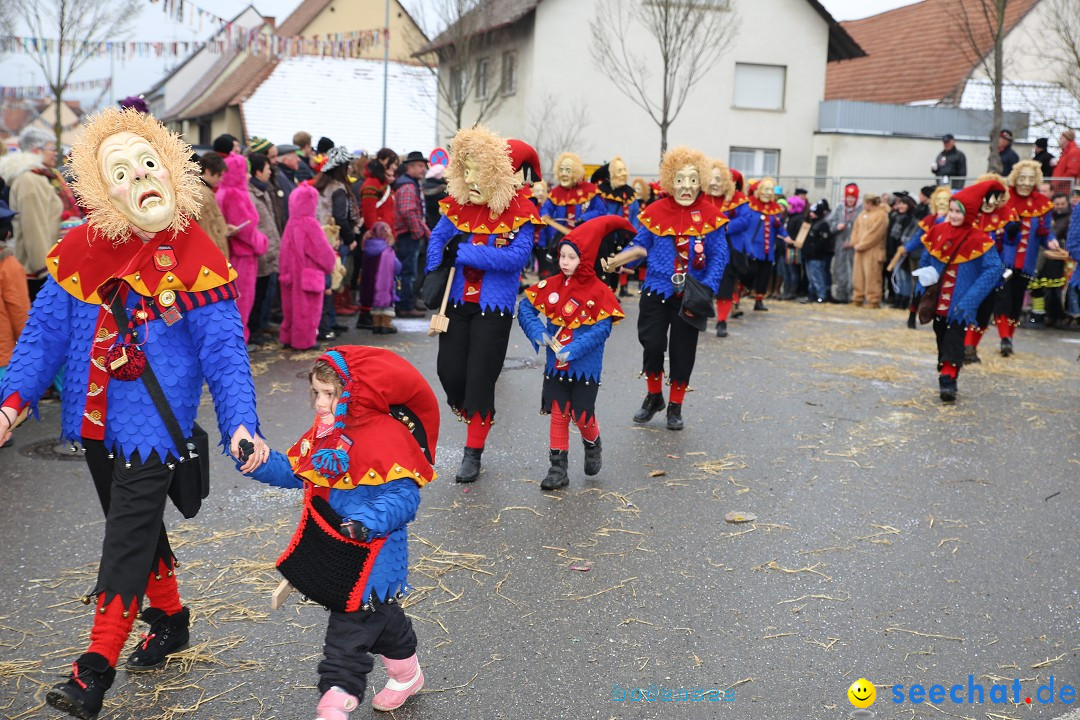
column 478, row 195
column 566, row 173
column 619, row 174
column 138, row 182
column 1025, row 182
column 716, row 182
column 766, row 192
column 687, row 185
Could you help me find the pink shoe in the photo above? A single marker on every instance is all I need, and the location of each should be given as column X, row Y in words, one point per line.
column 336, row 704
column 405, row 680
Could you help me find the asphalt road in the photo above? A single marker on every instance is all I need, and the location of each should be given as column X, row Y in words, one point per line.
column 896, row 539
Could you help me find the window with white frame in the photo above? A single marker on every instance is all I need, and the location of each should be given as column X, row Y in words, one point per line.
column 482, row 67
column 759, row 87
column 508, row 86
column 755, row 162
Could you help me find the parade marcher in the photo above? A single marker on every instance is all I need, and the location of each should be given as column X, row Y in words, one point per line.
column 375, row 416
column 376, row 205
column 817, row 251
column 868, row 236
column 247, row 244
column 1072, row 245
column 766, row 236
column 998, row 219
column 683, row 236
column 306, row 259
column 962, row 265
column 1020, row 248
column 138, row 252
column 841, row 222
column 572, row 313
column 486, row 235
column 571, row 202
column 613, row 184
column 720, row 189
column 741, row 220
column 209, row 214
column 526, row 164
column 911, row 252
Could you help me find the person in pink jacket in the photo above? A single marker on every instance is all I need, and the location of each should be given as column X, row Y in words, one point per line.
column 247, row 243
column 306, row 259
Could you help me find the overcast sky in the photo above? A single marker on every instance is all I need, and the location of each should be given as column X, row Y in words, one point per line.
column 152, row 25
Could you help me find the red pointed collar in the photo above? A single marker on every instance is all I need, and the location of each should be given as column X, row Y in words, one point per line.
column 928, row 222
column 579, row 194
column 1034, row 205
column 773, row 208
column 574, row 304
column 943, row 242
column 667, row 217
column 737, row 199
column 188, row 261
column 996, row 220
column 479, row 218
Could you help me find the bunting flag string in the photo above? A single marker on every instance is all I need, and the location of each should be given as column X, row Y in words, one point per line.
column 41, row 91
column 232, row 39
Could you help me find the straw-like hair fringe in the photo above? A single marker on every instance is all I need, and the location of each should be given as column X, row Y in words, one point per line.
column 491, row 155
column 89, row 185
column 1028, row 164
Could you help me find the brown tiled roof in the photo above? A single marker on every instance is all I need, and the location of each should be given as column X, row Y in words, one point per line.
column 244, row 79
column 301, row 17
column 14, row 116
column 915, row 53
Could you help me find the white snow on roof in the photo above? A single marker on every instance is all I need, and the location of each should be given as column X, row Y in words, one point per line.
column 1050, row 106
column 342, row 100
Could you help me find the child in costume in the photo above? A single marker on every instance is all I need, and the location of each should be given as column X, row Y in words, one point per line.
column 361, row 466
column 306, row 259
column 962, row 257
column 381, row 265
column 246, row 244
column 573, row 313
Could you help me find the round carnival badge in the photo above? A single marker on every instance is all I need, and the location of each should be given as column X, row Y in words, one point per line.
column 167, row 298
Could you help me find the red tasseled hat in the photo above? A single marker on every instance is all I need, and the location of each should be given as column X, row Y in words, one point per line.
column 972, row 197
column 851, row 189
column 522, row 154
column 737, row 177
column 586, row 239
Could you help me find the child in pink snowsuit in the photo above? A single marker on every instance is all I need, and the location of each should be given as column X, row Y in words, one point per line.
column 306, row 259
column 247, row 243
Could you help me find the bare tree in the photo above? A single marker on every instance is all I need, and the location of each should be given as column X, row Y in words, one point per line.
column 557, row 128
column 470, row 82
column 690, row 36
column 78, row 27
column 982, row 27
column 1064, row 28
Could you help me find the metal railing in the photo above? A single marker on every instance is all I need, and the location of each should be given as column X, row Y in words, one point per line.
column 831, row 188
column 868, row 118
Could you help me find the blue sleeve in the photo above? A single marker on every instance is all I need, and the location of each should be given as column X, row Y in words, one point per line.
column 387, row 511
column 442, row 233
column 990, row 269
column 1045, row 231
column 1072, row 240
column 218, row 336
column 635, row 210
column 915, row 242
column 528, row 318
column 741, row 222
column 588, row 338
column 546, row 232
column 42, row 347
column 716, row 259
column 276, row 471
column 595, row 209
column 505, row 259
column 643, row 239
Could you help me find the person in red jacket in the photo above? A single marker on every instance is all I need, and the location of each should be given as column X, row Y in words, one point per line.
column 1068, row 164
column 376, row 205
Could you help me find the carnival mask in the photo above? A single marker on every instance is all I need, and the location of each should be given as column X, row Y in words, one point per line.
column 478, row 194
column 940, row 201
column 716, row 182
column 766, row 191
column 1025, row 182
column 138, row 183
column 619, row 174
column 687, row 185
column 566, row 173
column 992, row 202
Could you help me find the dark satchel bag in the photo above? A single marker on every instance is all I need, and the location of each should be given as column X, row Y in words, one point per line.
column 697, row 304
column 325, row 565
column 191, row 475
column 928, row 301
column 434, row 287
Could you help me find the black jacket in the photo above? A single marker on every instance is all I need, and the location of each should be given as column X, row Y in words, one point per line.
column 1008, row 159
column 1044, row 158
column 951, row 163
column 434, row 191
column 819, row 243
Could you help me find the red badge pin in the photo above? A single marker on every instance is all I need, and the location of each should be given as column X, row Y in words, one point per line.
column 164, row 258
column 695, row 215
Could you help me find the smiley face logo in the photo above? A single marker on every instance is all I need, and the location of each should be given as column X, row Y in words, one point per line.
column 862, row 693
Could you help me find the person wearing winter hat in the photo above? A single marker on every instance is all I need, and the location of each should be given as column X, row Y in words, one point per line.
column 135, row 102
column 572, row 313
column 248, row 243
column 1041, row 155
column 486, row 236
column 817, row 251
column 961, row 263
column 305, row 262
column 570, row 202
column 841, row 221
column 337, row 206
column 683, row 237
column 361, row 466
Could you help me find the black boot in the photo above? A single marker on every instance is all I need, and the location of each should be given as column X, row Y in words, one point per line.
column 593, row 459
column 364, row 321
column 947, row 388
column 556, row 475
column 911, row 319
column 81, row 696
column 654, row 403
column 760, row 306
column 1006, row 347
column 470, row 466
column 623, row 291
column 971, row 355
column 168, row 634
column 721, row 328
column 674, row 416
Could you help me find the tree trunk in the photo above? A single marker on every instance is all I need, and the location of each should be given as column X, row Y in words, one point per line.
column 994, row 158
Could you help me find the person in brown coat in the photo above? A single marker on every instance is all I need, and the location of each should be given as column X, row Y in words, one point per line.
column 14, row 296
column 868, row 239
column 210, row 218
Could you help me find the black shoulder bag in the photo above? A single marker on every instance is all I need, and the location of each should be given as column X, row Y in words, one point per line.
column 191, row 475
column 434, row 287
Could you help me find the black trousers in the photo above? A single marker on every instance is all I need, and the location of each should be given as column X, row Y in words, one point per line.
column 761, row 272
column 133, row 499
column 950, row 342
column 1010, row 298
column 986, row 309
column 351, row 639
column 660, row 329
column 471, row 355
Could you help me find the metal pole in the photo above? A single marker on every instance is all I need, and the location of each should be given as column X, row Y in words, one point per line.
column 386, row 70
